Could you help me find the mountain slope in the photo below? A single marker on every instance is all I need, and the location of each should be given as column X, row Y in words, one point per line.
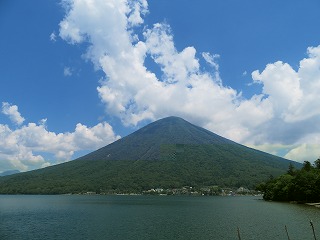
column 169, row 153
column 9, row 172
column 146, row 143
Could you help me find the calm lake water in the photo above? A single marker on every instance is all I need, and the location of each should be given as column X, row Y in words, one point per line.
column 152, row 217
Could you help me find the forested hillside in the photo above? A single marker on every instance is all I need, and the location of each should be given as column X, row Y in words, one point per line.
column 168, row 153
column 296, row 185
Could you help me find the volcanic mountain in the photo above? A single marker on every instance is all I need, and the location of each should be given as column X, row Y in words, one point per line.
column 168, row 153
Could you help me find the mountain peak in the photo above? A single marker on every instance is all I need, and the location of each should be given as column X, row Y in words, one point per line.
column 146, row 142
column 173, row 119
column 170, row 120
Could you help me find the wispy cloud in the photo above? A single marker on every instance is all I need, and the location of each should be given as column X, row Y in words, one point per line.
column 53, row 37
column 67, row 71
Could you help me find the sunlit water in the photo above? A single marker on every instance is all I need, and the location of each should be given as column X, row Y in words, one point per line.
column 152, row 217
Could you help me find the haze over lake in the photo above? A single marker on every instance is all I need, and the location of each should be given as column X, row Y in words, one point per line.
column 152, row 217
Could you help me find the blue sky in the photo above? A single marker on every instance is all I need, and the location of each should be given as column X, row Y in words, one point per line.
column 77, row 75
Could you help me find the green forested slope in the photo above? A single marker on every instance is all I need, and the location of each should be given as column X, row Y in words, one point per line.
column 300, row 185
column 169, row 153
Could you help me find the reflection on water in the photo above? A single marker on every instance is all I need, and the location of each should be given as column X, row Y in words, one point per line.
column 152, row 217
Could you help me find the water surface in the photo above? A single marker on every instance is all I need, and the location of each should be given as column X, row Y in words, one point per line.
column 152, row 217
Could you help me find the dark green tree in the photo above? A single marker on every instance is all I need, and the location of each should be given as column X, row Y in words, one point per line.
column 291, row 170
column 317, row 164
column 307, row 166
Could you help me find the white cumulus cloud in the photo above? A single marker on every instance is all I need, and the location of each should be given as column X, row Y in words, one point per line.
column 285, row 113
column 23, row 148
column 133, row 93
column 12, row 112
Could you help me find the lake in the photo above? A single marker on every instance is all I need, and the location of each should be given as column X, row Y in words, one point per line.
column 152, row 217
